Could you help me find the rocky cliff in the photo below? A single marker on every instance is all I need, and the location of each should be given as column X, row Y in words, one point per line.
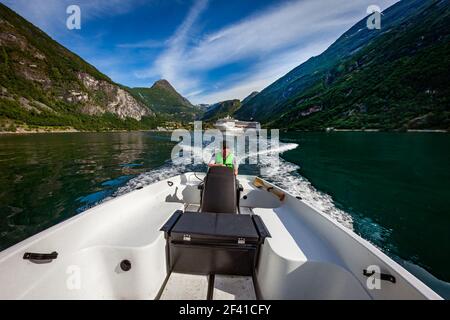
column 44, row 84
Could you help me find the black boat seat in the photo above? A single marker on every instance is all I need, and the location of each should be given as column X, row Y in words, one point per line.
column 220, row 192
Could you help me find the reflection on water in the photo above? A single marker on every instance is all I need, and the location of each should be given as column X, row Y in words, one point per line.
column 47, row 178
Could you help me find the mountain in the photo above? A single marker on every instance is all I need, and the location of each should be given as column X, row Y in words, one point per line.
column 221, row 110
column 250, row 97
column 393, row 78
column 203, row 106
column 164, row 99
column 42, row 84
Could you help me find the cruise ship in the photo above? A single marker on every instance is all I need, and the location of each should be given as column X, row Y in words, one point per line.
column 231, row 125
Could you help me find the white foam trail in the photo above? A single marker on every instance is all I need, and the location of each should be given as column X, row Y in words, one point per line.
column 285, row 176
column 283, row 147
column 166, row 171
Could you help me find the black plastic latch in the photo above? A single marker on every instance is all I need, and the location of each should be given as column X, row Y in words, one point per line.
column 383, row 276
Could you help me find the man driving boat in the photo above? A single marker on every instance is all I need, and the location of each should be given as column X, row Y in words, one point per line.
column 224, row 158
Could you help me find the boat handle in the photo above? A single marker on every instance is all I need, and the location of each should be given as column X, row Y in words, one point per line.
column 383, row 276
column 170, row 183
column 40, row 256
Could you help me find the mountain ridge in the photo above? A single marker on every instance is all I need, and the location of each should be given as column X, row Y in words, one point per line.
column 221, row 110
column 322, row 93
column 165, row 99
column 250, row 97
column 42, row 83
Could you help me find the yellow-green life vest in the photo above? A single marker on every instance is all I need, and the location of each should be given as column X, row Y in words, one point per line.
column 228, row 161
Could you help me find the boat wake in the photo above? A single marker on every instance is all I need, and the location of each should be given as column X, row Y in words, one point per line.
column 285, row 175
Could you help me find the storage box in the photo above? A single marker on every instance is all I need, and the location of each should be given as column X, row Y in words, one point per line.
column 214, row 243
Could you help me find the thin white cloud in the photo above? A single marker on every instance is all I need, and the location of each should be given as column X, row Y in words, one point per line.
column 262, row 74
column 279, row 31
column 274, row 29
column 168, row 64
column 194, row 93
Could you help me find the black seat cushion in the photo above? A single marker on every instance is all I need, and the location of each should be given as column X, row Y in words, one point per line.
column 216, row 225
column 220, row 191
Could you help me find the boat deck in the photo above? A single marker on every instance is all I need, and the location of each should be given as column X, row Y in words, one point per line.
column 199, row 287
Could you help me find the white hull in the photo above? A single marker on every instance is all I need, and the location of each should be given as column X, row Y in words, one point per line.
column 309, row 256
column 231, row 130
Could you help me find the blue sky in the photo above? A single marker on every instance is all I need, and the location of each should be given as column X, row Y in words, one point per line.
column 210, row 50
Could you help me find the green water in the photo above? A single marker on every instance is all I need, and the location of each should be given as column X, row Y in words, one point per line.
column 47, row 178
column 395, row 186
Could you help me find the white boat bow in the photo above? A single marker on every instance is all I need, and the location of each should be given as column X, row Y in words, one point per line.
column 308, row 256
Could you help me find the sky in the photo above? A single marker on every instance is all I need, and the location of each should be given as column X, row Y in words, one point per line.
column 209, row 50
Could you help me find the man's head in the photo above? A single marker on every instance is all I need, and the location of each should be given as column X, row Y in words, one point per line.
column 224, row 147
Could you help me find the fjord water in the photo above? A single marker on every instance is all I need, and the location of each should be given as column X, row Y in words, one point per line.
column 395, row 186
column 391, row 188
column 47, row 178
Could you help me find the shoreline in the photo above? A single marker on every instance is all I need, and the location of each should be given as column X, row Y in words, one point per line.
column 72, row 130
column 398, row 131
column 430, row 131
column 26, row 132
column 355, row 130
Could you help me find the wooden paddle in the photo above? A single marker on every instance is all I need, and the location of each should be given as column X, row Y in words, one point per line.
column 259, row 183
